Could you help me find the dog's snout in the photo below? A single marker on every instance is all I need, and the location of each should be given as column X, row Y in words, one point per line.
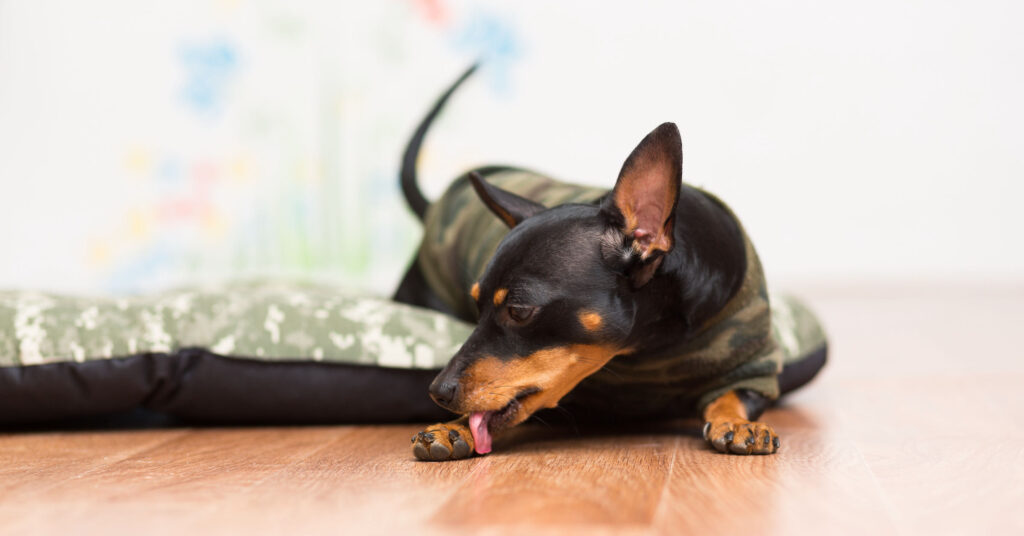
column 443, row 391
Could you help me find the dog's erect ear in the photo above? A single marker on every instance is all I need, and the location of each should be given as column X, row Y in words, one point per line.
column 644, row 200
column 508, row 206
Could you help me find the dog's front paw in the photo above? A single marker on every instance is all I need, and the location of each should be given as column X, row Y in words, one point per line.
column 741, row 437
column 440, row 442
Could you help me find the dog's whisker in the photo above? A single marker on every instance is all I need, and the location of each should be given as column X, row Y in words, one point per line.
column 542, row 421
column 571, row 417
column 614, row 372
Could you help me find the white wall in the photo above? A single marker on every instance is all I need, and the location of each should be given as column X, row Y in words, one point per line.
column 856, row 140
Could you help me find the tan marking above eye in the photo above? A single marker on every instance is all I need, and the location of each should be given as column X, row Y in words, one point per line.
column 474, row 291
column 499, row 296
column 590, row 320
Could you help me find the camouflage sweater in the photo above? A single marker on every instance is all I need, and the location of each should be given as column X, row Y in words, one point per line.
column 736, row 349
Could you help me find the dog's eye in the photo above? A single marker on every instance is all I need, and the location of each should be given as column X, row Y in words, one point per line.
column 520, row 314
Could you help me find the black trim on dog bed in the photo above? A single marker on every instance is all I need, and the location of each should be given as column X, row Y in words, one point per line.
column 798, row 373
column 198, row 386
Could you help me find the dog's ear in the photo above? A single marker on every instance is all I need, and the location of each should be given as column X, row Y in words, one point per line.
column 511, row 208
column 643, row 203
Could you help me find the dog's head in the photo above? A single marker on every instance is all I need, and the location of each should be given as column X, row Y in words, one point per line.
column 558, row 299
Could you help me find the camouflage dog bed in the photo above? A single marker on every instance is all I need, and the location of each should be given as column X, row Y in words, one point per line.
column 253, row 352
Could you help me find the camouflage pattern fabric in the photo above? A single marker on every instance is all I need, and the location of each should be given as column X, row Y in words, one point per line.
column 796, row 328
column 271, row 321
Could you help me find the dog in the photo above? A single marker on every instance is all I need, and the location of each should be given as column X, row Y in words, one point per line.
column 644, row 301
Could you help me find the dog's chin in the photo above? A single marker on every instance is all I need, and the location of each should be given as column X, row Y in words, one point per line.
column 485, row 424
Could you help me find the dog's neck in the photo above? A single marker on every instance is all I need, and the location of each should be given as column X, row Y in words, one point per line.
column 696, row 279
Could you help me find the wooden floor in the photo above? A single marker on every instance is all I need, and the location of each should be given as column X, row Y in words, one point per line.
column 916, row 427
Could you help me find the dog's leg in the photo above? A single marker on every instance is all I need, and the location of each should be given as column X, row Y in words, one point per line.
column 444, row 441
column 728, row 428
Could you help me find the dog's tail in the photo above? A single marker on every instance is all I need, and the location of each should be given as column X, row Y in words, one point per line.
column 410, row 189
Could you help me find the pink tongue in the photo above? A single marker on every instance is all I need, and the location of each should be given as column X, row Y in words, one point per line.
column 478, row 427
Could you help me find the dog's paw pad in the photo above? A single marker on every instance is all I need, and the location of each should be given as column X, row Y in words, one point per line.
column 442, row 442
column 741, row 437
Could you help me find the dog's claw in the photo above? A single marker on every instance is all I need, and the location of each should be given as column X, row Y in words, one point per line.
column 720, row 440
column 441, row 442
column 741, row 438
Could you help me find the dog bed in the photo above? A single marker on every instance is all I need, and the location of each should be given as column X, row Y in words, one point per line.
column 259, row 352
column 250, row 352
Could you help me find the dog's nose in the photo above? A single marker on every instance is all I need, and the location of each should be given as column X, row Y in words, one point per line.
column 443, row 391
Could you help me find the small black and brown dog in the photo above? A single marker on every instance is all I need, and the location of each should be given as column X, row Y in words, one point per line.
column 647, row 301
